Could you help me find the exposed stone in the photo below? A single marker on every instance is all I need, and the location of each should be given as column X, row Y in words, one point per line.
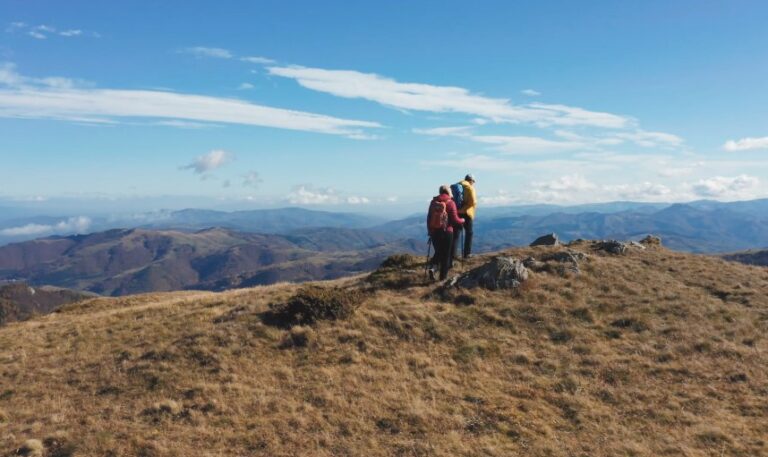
column 651, row 240
column 500, row 273
column 635, row 244
column 532, row 264
column 546, row 240
column 611, row 246
column 565, row 256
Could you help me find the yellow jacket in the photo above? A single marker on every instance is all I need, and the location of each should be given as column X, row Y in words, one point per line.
column 470, row 200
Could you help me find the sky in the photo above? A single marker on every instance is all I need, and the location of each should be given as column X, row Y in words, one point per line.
column 370, row 106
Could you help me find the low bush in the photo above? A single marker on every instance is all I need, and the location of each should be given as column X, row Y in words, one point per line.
column 315, row 303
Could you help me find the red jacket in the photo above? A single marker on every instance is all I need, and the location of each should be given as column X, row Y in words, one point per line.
column 453, row 213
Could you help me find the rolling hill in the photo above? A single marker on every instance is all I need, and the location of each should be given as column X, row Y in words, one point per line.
column 19, row 301
column 651, row 353
column 119, row 262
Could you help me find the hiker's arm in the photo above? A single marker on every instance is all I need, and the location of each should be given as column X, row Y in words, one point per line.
column 453, row 215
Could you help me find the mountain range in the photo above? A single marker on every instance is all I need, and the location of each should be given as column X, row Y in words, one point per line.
column 216, row 250
column 119, row 262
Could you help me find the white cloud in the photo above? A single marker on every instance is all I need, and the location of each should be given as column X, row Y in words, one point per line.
column 567, row 183
column 746, row 144
column 78, row 224
column 530, row 92
column 42, row 31
column 245, row 86
column 184, row 124
column 27, row 99
column 527, row 144
column 508, row 144
column 460, row 131
column 252, row 179
column 357, row 200
column 202, row 51
column 675, row 172
column 726, row 187
column 71, row 33
column 442, row 99
column 308, row 195
column 258, row 60
column 209, row 162
column 651, row 139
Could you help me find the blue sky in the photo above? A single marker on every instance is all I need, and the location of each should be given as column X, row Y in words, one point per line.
column 370, row 106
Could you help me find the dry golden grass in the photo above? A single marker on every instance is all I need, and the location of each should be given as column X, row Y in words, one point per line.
column 654, row 353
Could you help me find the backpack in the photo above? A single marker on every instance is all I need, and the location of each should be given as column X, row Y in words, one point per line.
column 437, row 217
column 458, row 194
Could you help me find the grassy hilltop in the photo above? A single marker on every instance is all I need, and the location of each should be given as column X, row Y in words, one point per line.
column 650, row 353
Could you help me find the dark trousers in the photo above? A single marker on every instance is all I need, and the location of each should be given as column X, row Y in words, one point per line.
column 442, row 241
column 468, row 233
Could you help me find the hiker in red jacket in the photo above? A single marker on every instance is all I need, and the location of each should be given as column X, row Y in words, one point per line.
column 441, row 220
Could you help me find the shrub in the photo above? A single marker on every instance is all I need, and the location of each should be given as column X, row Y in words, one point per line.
column 298, row 336
column 314, row 303
column 31, row 448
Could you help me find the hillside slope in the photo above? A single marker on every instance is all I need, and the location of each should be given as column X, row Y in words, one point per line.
column 753, row 257
column 121, row 262
column 652, row 353
column 19, row 301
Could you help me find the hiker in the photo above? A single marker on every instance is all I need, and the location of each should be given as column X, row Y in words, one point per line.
column 441, row 220
column 466, row 200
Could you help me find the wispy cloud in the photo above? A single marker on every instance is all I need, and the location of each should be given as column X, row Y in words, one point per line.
column 258, row 60
column 202, row 51
column 441, row 99
column 43, row 31
column 39, row 98
column 651, row 139
column 530, row 92
column 746, row 144
column 209, row 162
column 245, row 86
column 71, row 225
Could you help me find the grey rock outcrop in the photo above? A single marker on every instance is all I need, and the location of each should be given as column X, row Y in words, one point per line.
column 611, row 246
column 546, row 240
column 500, row 273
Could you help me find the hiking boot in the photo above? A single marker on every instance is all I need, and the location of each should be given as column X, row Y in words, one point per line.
column 431, row 274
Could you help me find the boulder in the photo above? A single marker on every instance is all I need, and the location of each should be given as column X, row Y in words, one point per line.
column 611, row 246
column 651, row 240
column 565, row 256
column 635, row 244
column 500, row 273
column 546, row 240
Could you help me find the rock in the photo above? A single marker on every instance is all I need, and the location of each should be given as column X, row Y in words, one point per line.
column 569, row 260
column 651, row 240
column 533, row 264
column 546, row 240
column 611, row 246
column 635, row 244
column 565, row 256
column 500, row 273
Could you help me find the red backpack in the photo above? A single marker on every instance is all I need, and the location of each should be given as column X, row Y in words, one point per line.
column 437, row 217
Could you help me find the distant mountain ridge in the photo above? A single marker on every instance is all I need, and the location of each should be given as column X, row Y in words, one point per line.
column 119, row 262
column 702, row 227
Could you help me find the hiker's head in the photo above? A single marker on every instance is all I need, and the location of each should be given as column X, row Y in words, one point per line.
column 470, row 178
column 445, row 189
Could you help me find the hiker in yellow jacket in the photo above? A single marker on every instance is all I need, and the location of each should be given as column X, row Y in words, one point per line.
column 467, row 211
